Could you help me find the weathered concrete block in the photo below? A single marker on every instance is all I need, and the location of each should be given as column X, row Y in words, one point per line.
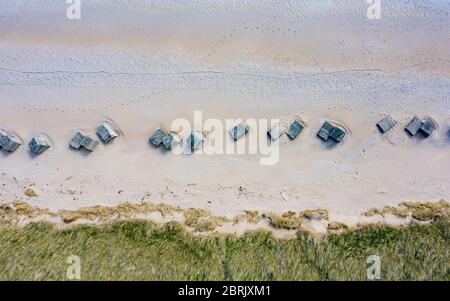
column 167, row 141
column 238, row 131
column 157, row 138
column 330, row 131
column 38, row 145
column 9, row 142
column 106, row 132
column 324, row 132
column 276, row 132
column 82, row 140
column 170, row 140
column 88, row 143
column 386, row 124
column 76, row 140
column 295, row 129
column 194, row 140
column 414, row 126
column 427, row 128
column 337, row 134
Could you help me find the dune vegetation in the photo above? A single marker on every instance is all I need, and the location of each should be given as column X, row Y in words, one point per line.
column 142, row 250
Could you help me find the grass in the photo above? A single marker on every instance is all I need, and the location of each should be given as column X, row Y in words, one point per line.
column 142, row 250
column 421, row 211
column 250, row 216
column 337, row 226
column 287, row 220
column 29, row 192
column 201, row 220
column 317, row 213
column 125, row 210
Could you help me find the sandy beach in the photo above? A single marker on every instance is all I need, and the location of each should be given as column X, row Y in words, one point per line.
column 143, row 64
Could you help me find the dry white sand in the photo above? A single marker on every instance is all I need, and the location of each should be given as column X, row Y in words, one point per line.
column 145, row 64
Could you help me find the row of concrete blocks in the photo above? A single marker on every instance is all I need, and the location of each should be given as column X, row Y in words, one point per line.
column 39, row 144
column 10, row 142
column 328, row 131
column 162, row 137
column 83, row 141
column 425, row 126
column 167, row 139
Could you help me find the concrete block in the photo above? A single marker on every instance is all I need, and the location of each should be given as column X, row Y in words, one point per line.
column 337, row 134
column 106, row 132
column 295, row 129
column 170, row 140
column 82, row 140
column 88, row 143
column 386, row 124
column 194, row 140
column 414, row 126
column 238, row 131
column 276, row 132
column 157, row 138
column 38, row 145
column 427, row 128
column 9, row 142
column 76, row 140
column 324, row 132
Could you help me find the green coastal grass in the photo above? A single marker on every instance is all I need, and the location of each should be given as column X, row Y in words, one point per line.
column 138, row 250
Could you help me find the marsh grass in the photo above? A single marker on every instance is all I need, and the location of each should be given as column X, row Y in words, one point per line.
column 250, row 216
column 141, row 250
column 316, row 213
column 337, row 226
column 29, row 192
column 288, row 220
column 202, row 220
column 125, row 210
column 422, row 211
column 17, row 210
